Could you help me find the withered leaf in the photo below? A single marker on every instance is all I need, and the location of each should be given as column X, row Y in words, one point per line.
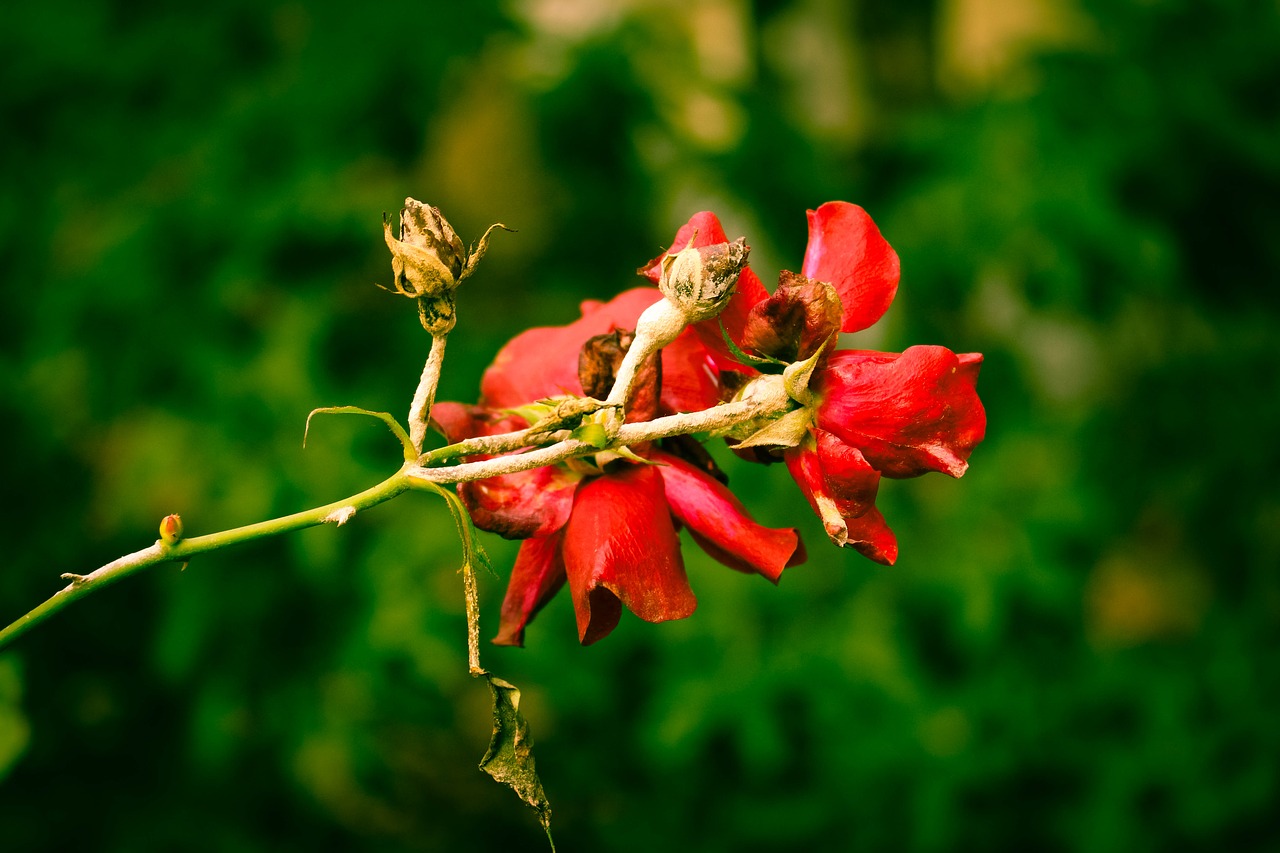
column 509, row 759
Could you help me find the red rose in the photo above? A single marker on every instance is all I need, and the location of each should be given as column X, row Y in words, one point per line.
column 609, row 531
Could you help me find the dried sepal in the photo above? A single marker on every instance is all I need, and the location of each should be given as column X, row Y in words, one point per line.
column 477, row 251
column 787, row 431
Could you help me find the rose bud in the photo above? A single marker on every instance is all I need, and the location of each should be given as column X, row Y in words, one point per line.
column 171, row 529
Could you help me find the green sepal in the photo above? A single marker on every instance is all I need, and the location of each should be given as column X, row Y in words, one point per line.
column 787, row 431
column 593, row 434
column 754, row 360
column 796, row 378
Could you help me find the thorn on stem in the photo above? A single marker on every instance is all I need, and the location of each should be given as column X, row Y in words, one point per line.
column 340, row 516
column 76, row 580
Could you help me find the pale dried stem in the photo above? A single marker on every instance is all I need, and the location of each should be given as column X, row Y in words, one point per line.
column 424, row 397
column 472, row 597
column 715, row 418
column 658, row 325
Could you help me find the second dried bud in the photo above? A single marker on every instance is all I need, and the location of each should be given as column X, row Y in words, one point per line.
column 428, row 258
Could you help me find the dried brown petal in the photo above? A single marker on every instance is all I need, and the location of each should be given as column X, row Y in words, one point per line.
column 795, row 321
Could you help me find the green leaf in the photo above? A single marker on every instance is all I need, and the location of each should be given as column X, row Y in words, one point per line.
column 398, row 431
column 509, row 759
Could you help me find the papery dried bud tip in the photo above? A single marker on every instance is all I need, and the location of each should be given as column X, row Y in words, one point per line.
column 701, row 279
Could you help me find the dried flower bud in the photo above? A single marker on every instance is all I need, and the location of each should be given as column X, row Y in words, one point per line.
column 599, row 361
column 429, row 257
column 171, row 529
column 701, row 280
column 797, row 320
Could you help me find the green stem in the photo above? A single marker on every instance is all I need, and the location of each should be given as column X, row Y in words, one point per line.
column 337, row 512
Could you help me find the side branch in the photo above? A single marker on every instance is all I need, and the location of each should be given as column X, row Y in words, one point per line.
column 81, row 585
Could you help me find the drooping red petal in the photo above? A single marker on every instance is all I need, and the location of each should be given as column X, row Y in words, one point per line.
column 515, row 506
column 537, row 576
column 621, row 547
column 543, row 362
column 747, row 293
column 908, row 415
column 527, row 503
column 841, row 487
column 715, row 516
column 847, row 250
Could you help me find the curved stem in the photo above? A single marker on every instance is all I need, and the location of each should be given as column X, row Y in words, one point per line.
column 338, row 512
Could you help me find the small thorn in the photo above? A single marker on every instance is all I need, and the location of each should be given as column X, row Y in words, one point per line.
column 340, row 516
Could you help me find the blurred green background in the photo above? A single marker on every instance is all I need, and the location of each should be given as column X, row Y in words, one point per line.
column 1077, row 649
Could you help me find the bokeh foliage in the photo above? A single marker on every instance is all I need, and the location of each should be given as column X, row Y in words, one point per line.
column 1076, row 650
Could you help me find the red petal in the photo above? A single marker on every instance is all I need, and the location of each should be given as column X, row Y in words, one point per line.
column 527, row 503
column 689, row 379
column 841, row 487
column 846, row 250
column 543, row 362
column 908, row 415
column 620, row 546
column 714, row 515
column 709, row 231
column 537, row 576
